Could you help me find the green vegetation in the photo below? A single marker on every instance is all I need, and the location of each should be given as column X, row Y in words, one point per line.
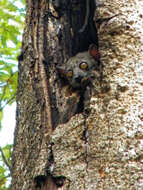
column 5, row 166
column 11, row 27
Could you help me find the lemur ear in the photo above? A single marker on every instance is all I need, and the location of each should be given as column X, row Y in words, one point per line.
column 61, row 70
column 93, row 51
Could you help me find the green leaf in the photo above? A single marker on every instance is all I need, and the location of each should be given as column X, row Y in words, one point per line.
column 7, row 152
column 1, row 117
column 2, row 171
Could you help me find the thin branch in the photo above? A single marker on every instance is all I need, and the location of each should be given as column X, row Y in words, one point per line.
column 8, row 101
column 1, row 180
column 6, row 85
column 5, row 160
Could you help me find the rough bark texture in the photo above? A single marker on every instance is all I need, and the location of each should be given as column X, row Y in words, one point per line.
column 51, row 36
column 115, row 142
column 104, row 149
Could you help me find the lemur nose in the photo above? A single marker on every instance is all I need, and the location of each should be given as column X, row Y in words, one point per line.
column 78, row 79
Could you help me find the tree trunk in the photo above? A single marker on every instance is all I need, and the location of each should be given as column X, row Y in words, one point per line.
column 56, row 147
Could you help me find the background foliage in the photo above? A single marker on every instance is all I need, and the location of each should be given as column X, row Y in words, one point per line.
column 11, row 26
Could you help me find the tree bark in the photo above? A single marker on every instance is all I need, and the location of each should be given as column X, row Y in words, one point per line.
column 54, row 149
column 51, row 36
column 115, row 141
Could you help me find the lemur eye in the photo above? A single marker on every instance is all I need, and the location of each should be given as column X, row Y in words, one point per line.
column 69, row 73
column 83, row 66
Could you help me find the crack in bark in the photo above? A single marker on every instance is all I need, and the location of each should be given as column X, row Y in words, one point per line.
column 39, row 51
column 86, row 138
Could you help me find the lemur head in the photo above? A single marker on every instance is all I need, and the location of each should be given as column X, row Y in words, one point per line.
column 78, row 69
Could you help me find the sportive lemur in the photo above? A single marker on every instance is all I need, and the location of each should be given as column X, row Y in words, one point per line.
column 77, row 75
column 78, row 70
